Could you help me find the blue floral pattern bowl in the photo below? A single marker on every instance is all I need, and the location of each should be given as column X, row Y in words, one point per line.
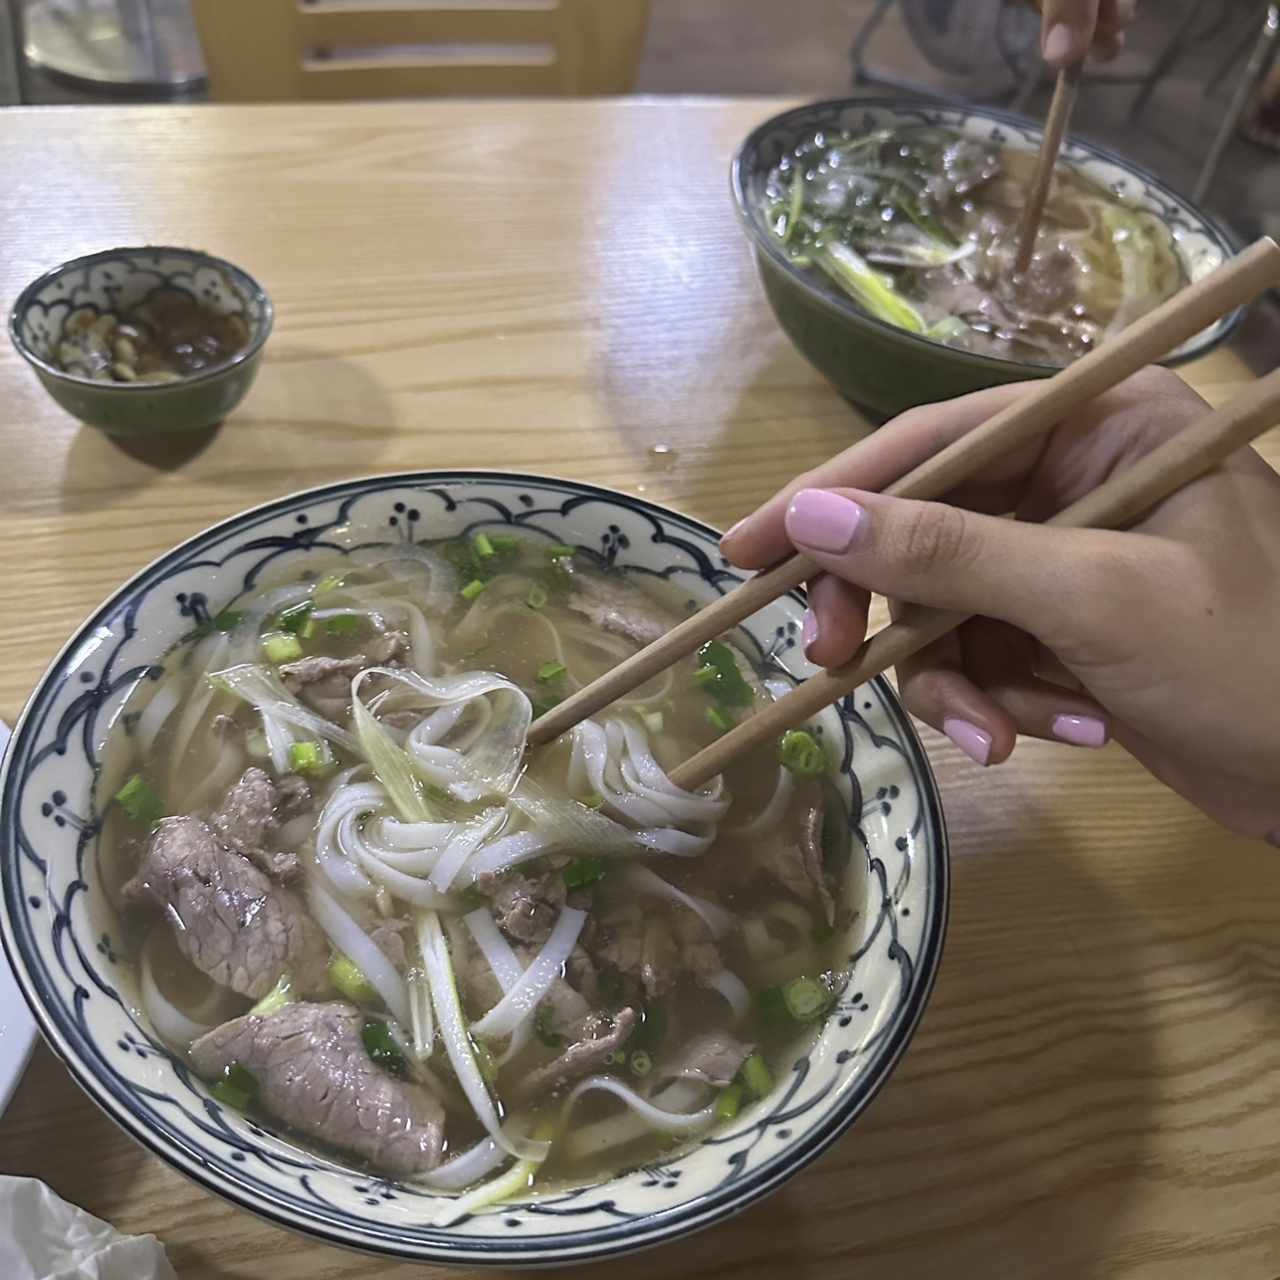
column 883, row 368
column 115, row 282
column 65, row 944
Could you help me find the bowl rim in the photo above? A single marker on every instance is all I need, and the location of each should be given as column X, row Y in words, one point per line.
column 739, row 172
column 245, row 354
column 592, row 1244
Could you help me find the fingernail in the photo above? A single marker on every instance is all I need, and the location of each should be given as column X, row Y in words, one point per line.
column 1080, row 731
column 733, row 528
column 1059, row 44
column 808, row 629
column 824, row 521
column 974, row 742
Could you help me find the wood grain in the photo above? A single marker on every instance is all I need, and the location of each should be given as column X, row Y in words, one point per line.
column 1095, row 1088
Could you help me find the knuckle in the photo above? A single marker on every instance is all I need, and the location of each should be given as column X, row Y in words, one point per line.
column 934, row 536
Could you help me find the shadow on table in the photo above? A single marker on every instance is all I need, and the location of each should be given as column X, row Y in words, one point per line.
column 305, row 406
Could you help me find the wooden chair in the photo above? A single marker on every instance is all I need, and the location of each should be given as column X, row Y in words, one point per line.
column 286, row 50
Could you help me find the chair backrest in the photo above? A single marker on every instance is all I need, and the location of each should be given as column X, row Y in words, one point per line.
column 286, row 50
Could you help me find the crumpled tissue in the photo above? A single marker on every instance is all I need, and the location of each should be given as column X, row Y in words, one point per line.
column 42, row 1237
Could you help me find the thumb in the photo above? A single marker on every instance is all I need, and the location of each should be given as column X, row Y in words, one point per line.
column 1066, row 30
column 1054, row 583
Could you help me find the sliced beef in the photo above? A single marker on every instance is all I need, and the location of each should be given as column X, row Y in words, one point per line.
column 639, row 944
column 247, row 811
column 251, row 813
column 229, row 919
column 566, row 1010
column 793, row 856
column 386, row 648
column 580, row 973
column 602, row 1035
column 714, row 1057
column 610, row 604
column 392, row 937
column 324, row 684
column 477, row 986
column 699, row 955
column 314, row 1074
column 525, row 908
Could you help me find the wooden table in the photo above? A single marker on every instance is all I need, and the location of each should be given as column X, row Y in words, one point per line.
column 1095, row 1088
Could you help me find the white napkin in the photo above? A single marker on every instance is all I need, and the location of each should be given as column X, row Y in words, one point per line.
column 42, row 1237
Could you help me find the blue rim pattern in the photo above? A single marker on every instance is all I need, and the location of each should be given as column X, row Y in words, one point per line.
column 64, row 1027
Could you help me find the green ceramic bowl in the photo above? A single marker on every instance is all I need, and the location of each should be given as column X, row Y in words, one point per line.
column 884, row 369
column 116, row 281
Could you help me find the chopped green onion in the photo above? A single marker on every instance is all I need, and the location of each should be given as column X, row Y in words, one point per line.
column 473, row 588
column 297, row 619
column 593, row 801
column 618, row 1058
column 309, row 757
column 227, row 620
column 800, row 1000
column 756, row 1076
column 139, row 801
column 381, row 1046
column 348, row 978
column 653, row 721
column 582, row 872
column 558, row 551
column 806, row 999
column 719, row 719
column 551, row 671
column 729, row 1102
column 802, row 754
column 280, row 646
column 236, row 1088
column 344, row 624
column 537, row 597
column 505, row 543
column 641, row 1063
column 330, row 582
column 279, row 996
column 483, row 547
column 720, row 675
column 543, row 1030
column 872, row 290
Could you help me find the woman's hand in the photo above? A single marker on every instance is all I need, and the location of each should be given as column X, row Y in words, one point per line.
column 1165, row 637
column 1072, row 29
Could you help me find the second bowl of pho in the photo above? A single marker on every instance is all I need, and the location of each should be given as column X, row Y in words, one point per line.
column 885, row 234
column 299, row 909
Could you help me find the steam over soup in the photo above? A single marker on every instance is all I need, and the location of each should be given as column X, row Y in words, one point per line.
column 918, row 226
column 359, row 907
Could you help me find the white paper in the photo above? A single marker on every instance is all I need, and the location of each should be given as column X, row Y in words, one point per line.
column 42, row 1237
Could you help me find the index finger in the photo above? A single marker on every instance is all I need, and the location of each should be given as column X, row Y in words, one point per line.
column 874, row 462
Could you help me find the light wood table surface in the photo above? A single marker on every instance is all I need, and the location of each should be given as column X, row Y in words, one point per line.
column 1095, row 1088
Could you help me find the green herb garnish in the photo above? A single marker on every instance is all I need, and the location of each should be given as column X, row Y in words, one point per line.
column 139, row 801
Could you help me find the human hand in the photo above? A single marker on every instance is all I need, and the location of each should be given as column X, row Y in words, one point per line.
column 1165, row 637
column 1072, row 29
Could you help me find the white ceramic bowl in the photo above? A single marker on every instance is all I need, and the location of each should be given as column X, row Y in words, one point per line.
column 63, row 941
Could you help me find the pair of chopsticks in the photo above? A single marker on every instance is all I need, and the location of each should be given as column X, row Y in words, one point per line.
column 1118, row 501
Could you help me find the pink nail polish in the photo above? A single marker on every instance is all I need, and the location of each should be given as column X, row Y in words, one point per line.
column 824, row 521
column 808, row 629
column 1080, row 731
column 1059, row 44
column 974, row 742
column 733, row 528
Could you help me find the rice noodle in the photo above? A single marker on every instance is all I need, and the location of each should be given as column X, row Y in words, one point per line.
column 734, row 991
column 714, row 916
column 198, row 702
column 520, row 1002
column 155, row 715
column 773, row 812
column 353, row 942
column 506, row 968
column 464, row 1169
column 169, row 1022
column 654, row 1117
column 679, row 1098
column 453, row 1029
column 518, row 1178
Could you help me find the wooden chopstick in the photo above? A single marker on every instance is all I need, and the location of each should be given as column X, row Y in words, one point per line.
column 1232, row 285
column 1117, row 502
column 1055, row 128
